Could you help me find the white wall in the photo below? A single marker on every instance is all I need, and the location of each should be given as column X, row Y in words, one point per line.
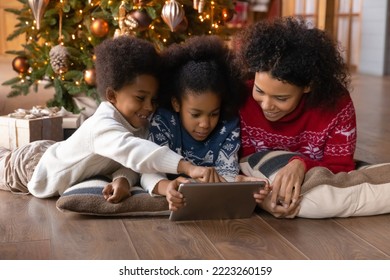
column 374, row 51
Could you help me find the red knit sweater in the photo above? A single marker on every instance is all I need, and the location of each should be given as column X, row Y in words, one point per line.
column 323, row 137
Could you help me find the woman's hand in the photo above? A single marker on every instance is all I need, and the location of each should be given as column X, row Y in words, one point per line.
column 286, row 187
column 280, row 211
column 117, row 190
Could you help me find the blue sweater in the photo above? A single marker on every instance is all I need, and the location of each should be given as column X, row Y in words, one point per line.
column 220, row 149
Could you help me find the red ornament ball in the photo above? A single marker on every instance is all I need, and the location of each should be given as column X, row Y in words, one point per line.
column 20, row 64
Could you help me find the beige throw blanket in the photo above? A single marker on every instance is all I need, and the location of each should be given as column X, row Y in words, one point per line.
column 361, row 192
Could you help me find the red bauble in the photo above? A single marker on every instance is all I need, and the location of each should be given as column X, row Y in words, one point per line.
column 100, row 28
column 20, row 64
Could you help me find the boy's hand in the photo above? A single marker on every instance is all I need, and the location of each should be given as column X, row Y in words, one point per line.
column 117, row 190
column 199, row 173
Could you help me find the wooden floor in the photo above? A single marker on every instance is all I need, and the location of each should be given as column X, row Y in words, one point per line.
column 33, row 228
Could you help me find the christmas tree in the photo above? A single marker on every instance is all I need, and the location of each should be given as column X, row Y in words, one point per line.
column 61, row 35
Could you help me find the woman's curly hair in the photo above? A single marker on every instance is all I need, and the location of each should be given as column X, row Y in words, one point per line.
column 200, row 64
column 120, row 60
column 293, row 52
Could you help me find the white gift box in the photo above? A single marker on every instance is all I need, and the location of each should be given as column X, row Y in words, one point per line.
column 17, row 132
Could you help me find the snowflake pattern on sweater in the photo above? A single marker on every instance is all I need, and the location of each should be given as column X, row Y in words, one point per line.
column 220, row 149
column 323, row 138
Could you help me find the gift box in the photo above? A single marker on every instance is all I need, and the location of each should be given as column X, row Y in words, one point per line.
column 70, row 123
column 16, row 132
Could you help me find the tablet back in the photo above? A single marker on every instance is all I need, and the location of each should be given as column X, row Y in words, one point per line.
column 205, row 201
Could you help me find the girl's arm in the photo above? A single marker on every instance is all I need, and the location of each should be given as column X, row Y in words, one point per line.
column 169, row 189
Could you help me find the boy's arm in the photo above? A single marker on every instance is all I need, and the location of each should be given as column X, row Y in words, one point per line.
column 130, row 175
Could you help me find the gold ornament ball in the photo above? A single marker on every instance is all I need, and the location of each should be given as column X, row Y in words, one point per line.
column 20, row 64
column 90, row 77
column 99, row 28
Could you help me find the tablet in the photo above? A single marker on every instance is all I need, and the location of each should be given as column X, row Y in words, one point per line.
column 209, row 201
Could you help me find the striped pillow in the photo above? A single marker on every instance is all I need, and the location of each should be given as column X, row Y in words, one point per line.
column 86, row 198
column 265, row 164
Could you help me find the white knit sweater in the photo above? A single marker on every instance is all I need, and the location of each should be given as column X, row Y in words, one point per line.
column 105, row 144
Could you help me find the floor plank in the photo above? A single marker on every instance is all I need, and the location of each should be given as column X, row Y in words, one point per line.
column 80, row 237
column 159, row 238
column 375, row 230
column 32, row 250
column 323, row 239
column 23, row 218
column 253, row 238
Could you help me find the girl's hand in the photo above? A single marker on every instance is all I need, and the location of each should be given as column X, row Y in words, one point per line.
column 117, row 190
column 286, row 187
column 263, row 193
column 174, row 197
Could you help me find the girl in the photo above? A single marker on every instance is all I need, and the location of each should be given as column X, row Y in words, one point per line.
column 112, row 141
column 300, row 103
column 198, row 118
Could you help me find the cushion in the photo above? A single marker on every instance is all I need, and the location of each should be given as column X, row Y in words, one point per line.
column 86, row 198
column 361, row 192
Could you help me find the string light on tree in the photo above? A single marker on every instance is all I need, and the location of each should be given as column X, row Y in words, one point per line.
column 90, row 77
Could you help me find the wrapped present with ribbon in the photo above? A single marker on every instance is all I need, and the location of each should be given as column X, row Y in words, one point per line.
column 25, row 126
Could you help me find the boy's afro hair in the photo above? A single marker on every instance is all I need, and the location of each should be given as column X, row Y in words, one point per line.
column 120, row 60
